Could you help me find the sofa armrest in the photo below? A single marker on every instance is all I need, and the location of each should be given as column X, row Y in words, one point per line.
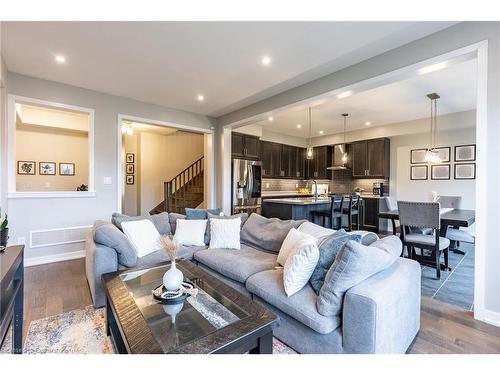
column 382, row 314
column 99, row 259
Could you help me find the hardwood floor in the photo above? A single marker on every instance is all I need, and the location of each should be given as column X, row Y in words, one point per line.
column 55, row 288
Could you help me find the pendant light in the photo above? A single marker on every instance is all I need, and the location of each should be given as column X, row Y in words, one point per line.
column 309, row 151
column 344, row 151
column 432, row 156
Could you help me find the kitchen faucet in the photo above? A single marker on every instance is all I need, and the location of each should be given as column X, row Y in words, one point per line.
column 315, row 195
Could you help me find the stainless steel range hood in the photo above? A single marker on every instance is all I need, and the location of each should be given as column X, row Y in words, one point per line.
column 338, row 154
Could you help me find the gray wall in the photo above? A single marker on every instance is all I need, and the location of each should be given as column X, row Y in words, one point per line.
column 38, row 214
column 450, row 39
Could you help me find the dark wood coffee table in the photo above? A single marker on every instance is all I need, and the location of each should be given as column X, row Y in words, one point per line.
column 218, row 320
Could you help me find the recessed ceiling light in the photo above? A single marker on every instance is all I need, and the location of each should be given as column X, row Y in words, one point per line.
column 321, row 132
column 344, row 94
column 60, row 59
column 270, row 118
column 368, row 123
column 299, row 126
column 200, row 98
column 266, row 60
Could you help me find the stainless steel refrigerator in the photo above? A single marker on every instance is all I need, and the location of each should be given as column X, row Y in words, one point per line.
column 247, row 186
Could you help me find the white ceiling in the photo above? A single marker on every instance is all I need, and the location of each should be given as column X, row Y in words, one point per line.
column 170, row 63
column 398, row 102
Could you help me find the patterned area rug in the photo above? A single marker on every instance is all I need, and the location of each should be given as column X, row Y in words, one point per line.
column 80, row 332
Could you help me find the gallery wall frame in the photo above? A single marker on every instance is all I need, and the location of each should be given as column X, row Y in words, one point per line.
column 419, row 172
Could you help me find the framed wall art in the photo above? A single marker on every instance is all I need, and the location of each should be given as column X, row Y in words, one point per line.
column 418, row 172
column 47, row 168
column 130, row 168
column 130, row 180
column 444, row 154
column 418, row 156
column 130, row 157
column 440, row 172
column 465, row 171
column 26, row 167
column 465, row 153
column 66, row 169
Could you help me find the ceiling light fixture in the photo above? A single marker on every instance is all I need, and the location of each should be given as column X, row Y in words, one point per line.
column 270, row 118
column 368, row 123
column 266, row 60
column 344, row 154
column 299, row 126
column 309, row 151
column 200, row 98
column 432, row 155
column 344, row 94
column 321, row 132
column 60, row 59
column 127, row 128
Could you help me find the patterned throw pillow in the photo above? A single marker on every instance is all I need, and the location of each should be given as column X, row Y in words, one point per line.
column 328, row 250
column 242, row 216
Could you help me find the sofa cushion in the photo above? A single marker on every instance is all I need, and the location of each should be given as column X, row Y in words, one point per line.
column 328, row 250
column 267, row 234
column 315, row 230
column 300, row 265
column 354, row 263
column 172, row 219
column 160, row 221
column 184, row 252
column 109, row 235
column 301, row 306
column 202, row 214
column 290, row 242
column 239, row 264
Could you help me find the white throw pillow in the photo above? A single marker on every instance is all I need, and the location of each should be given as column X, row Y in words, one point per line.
column 300, row 266
column 190, row 232
column 293, row 237
column 315, row 230
column 225, row 233
column 143, row 235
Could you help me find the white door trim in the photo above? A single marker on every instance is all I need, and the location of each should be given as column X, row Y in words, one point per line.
column 209, row 157
column 11, row 148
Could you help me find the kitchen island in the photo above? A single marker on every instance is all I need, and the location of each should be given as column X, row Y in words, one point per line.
column 294, row 208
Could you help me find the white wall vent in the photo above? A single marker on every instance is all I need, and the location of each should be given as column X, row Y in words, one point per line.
column 58, row 236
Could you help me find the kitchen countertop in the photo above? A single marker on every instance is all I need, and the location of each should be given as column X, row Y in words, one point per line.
column 269, row 194
column 301, row 201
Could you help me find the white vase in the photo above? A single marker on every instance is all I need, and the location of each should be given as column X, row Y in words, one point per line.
column 173, row 278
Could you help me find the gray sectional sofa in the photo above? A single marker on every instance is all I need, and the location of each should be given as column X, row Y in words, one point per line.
column 379, row 315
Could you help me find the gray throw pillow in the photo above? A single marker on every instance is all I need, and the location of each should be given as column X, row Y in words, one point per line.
column 267, row 234
column 160, row 221
column 172, row 218
column 243, row 216
column 354, row 263
column 202, row 214
column 328, row 250
column 109, row 235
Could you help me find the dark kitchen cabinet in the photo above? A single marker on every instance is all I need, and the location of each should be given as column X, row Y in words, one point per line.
column 244, row 146
column 371, row 158
column 369, row 214
column 282, row 161
column 322, row 159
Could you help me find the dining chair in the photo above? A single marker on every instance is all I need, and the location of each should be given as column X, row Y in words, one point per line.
column 392, row 205
column 455, row 234
column 423, row 215
column 334, row 214
column 351, row 208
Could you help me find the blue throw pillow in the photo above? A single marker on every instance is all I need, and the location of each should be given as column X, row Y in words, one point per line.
column 202, row 214
column 328, row 250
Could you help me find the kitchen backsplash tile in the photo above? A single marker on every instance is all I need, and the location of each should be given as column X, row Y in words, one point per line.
column 342, row 183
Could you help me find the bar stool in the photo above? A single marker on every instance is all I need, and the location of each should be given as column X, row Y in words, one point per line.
column 334, row 214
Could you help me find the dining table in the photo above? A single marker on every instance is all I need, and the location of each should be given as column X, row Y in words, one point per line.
column 454, row 218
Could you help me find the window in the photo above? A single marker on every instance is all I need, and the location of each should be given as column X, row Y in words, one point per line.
column 50, row 148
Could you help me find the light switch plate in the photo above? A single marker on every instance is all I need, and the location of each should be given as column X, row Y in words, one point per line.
column 107, row 181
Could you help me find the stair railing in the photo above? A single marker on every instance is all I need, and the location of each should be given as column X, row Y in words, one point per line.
column 182, row 179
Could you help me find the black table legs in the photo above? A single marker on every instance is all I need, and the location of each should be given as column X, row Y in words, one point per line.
column 265, row 345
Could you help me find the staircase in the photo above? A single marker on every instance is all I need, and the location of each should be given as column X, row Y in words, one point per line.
column 183, row 191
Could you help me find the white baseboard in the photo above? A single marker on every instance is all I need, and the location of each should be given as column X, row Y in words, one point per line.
column 28, row 262
column 491, row 317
